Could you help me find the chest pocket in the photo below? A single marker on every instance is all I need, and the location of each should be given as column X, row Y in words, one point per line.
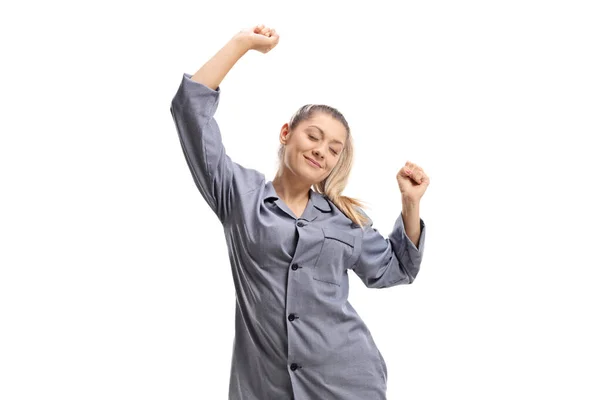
column 335, row 255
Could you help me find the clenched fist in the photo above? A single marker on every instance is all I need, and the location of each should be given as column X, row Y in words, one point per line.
column 412, row 181
column 259, row 38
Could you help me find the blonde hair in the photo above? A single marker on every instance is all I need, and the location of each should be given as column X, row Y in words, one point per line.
column 334, row 184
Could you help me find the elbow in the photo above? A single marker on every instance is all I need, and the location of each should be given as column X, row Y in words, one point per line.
column 411, row 277
column 410, row 265
column 410, row 272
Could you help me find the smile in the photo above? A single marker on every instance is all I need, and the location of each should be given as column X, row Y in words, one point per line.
column 312, row 163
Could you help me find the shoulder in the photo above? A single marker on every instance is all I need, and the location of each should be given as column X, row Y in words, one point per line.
column 362, row 212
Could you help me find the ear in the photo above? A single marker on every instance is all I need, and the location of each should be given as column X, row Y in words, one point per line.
column 284, row 133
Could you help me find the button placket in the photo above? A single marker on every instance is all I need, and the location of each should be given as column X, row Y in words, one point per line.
column 292, row 317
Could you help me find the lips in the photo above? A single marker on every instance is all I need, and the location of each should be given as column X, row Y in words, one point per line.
column 313, row 161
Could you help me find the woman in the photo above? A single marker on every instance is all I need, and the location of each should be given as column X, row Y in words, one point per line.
column 290, row 247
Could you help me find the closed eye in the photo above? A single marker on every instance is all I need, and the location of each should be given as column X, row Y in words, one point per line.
column 314, row 138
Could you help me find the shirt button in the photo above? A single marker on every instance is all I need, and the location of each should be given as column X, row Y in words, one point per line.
column 295, row 267
column 292, row 317
column 294, row 366
column 300, row 223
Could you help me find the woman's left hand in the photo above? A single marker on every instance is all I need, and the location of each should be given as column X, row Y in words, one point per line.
column 412, row 181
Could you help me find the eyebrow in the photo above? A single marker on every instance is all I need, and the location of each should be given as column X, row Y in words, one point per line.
column 323, row 133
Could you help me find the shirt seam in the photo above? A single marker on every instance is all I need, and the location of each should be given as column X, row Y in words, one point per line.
column 227, row 220
column 362, row 237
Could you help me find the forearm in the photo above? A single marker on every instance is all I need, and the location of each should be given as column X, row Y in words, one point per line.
column 214, row 70
column 412, row 220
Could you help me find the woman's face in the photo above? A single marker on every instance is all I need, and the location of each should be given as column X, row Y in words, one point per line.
column 320, row 138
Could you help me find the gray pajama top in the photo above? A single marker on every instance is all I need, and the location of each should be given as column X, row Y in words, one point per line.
column 296, row 334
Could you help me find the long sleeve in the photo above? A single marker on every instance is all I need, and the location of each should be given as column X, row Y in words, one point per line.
column 385, row 262
column 221, row 181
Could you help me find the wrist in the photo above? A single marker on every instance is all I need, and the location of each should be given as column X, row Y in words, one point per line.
column 409, row 203
column 241, row 42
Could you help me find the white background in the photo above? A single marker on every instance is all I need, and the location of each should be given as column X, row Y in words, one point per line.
column 115, row 282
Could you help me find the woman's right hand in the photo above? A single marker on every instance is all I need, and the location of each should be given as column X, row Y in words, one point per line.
column 259, row 38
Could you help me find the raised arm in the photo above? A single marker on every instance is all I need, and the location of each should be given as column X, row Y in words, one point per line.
column 259, row 38
column 221, row 181
column 395, row 260
column 386, row 262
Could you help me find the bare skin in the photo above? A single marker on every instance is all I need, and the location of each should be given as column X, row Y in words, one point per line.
column 321, row 138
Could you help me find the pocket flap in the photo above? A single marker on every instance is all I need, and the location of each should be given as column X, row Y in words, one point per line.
column 337, row 234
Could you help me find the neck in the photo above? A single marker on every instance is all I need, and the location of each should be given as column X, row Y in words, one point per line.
column 291, row 191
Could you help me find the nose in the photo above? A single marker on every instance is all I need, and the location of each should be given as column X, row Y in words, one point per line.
column 318, row 153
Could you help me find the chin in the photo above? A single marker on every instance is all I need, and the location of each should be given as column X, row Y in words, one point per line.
column 312, row 175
